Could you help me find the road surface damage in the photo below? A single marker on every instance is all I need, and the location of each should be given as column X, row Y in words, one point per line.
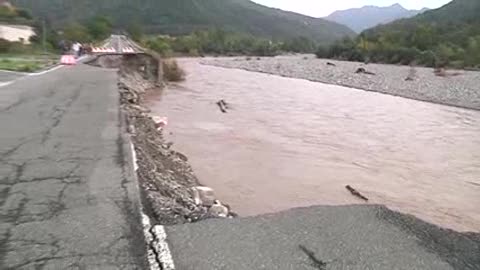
column 172, row 192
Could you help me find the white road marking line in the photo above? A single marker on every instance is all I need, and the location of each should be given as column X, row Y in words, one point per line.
column 59, row 66
column 13, row 72
column 161, row 246
column 2, row 84
column 156, row 236
column 134, row 157
column 45, row 71
column 151, row 256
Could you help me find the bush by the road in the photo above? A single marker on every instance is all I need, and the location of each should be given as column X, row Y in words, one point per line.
column 172, row 72
column 22, row 65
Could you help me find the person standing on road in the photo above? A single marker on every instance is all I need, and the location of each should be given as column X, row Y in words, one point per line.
column 76, row 48
column 81, row 50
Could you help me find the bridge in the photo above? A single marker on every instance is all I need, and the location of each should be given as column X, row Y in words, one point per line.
column 118, row 44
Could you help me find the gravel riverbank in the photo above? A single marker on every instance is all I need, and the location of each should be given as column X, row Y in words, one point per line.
column 457, row 88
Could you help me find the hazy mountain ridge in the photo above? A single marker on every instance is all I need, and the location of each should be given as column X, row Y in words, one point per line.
column 183, row 16
column 359, row 19
column 447, row 36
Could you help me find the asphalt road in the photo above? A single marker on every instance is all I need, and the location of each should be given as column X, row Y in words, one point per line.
column 322, row 238
column 120, row 43
column 67, row 196
column 7, row 76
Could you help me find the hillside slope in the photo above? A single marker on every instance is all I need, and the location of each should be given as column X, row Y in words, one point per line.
column 448, row 36
column 366, row 17
column 183, row 16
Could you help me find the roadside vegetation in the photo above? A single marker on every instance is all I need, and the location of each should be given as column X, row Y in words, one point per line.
column 16, row 56
column 12, row 15
column 172, row 72
column 21, row 65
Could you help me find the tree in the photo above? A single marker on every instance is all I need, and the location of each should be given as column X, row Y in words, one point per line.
column 472, row 54
column 160, row 45
column 76, row 32
column 444, row 54
column 100, row 27
column 135, row 31
column 299, row 44
column 322, row 52
column 24, row 14
column 6, row 13
column 5, row 45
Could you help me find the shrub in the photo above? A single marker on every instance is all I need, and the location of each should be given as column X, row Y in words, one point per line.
column 28, row 68
column 160, row 46
column 5, row 45
column 172, row 72
column 322, row 52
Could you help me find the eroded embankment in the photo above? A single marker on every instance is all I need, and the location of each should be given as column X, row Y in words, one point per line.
column 171, row 192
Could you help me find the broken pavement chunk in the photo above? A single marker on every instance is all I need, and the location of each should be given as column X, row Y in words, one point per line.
column 218, row 210
column 203, row 196
column 160, row 122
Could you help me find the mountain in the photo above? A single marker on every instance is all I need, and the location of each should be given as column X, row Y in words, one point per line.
column 184, row 16
column 366, row 17
column 454, row 23
column 448, row 36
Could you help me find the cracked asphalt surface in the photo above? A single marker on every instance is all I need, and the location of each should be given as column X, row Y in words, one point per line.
column 67, row 195
column 323, row 238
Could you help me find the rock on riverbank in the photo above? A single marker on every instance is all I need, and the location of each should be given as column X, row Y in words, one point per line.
column 461, row 90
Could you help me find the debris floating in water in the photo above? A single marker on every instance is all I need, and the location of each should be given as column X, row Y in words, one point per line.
column 356, row 193
column 222, row 105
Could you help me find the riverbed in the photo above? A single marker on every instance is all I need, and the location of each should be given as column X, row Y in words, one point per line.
column 287, row 143
column 453, row 87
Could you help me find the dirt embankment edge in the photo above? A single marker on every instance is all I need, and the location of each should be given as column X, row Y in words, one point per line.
column 171, row 193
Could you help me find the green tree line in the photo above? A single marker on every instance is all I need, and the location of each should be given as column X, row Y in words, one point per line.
column 226, row 43
column 449, row 36
column 421, row 46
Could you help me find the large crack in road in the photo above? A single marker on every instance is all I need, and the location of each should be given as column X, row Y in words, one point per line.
column 66, row 200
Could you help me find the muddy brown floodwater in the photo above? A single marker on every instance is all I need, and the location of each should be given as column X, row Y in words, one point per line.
column 289, row 143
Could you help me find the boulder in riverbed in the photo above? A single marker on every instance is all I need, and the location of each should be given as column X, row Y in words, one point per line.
column 362, row 70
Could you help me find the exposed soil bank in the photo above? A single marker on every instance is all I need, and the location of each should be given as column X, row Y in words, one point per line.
column 461, row 90
column 166, row 178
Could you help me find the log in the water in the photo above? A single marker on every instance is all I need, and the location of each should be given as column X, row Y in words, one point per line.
column 222, row 105
column 356, row 193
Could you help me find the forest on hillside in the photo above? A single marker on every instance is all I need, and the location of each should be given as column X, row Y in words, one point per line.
column 449, row 36
column 186, row 16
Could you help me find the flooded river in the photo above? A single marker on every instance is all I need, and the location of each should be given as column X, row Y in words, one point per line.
column 289, row 143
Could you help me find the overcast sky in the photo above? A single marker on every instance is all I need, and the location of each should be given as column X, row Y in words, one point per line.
column 321, row 8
